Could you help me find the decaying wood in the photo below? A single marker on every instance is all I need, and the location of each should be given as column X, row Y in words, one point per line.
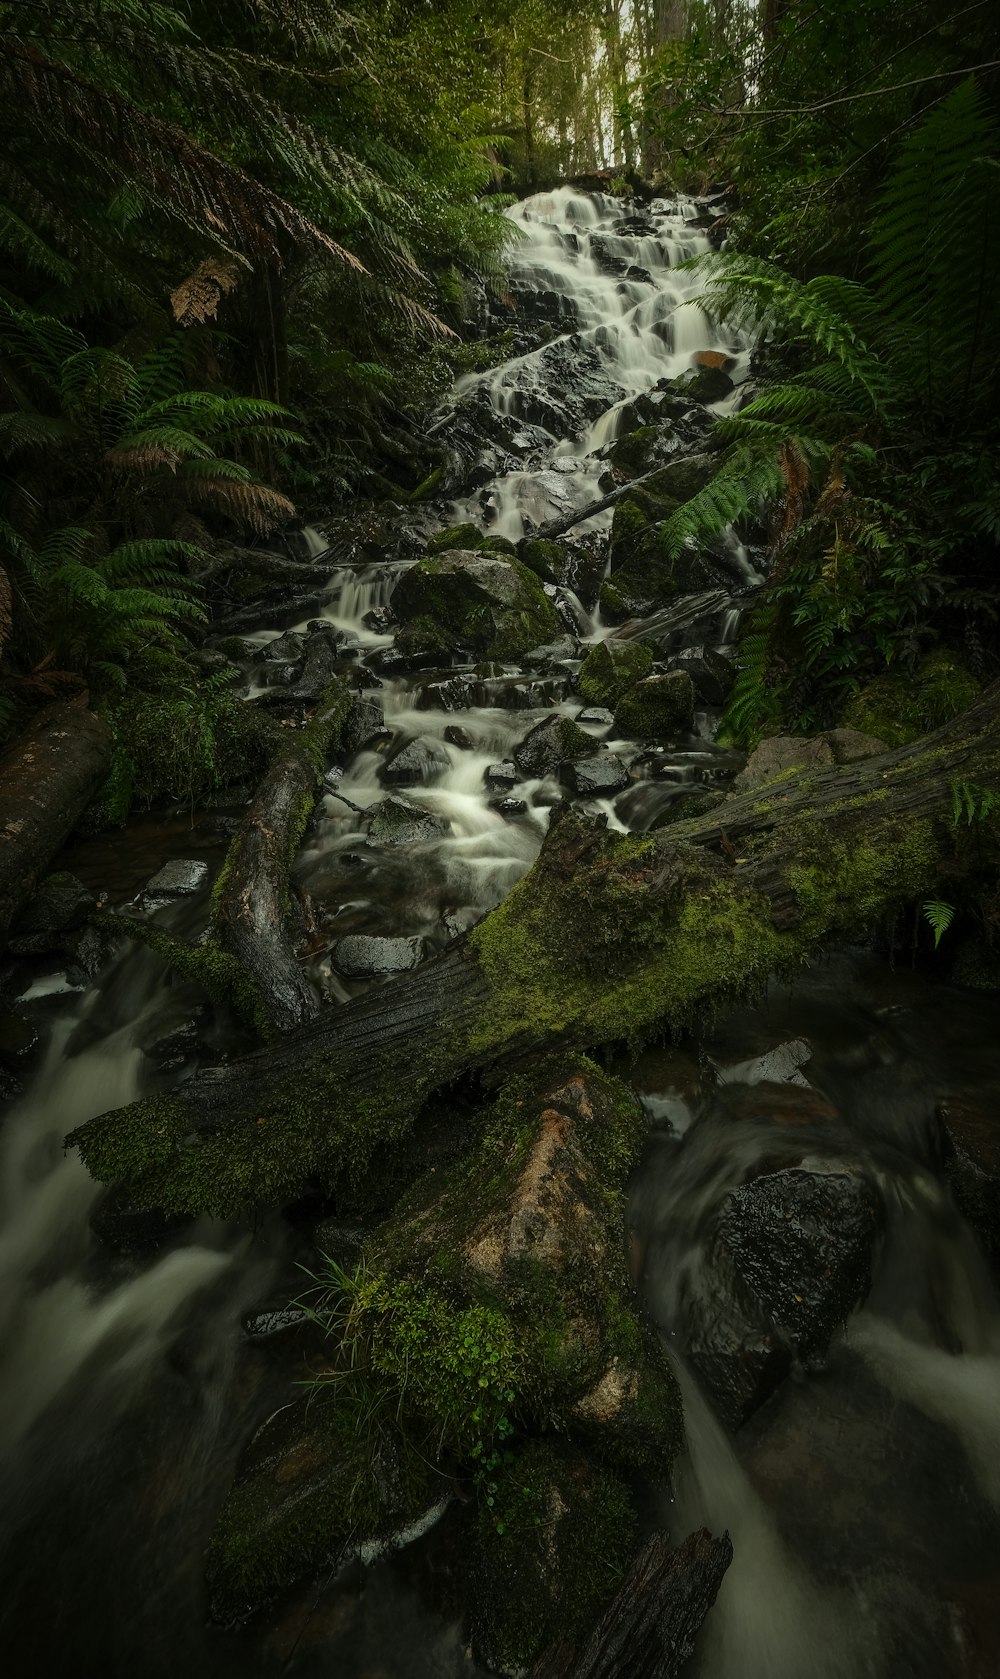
column 252, row 914
column 47, row 779
column 649, row 1628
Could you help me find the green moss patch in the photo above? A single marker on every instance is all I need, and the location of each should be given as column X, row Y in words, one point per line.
column 611, row 668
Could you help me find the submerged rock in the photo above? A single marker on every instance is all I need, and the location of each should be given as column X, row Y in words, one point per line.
column 366, row 956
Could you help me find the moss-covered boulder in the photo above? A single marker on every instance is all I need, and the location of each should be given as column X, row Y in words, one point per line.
column 643, row 449
column 549, row 1551
column 901, row 705
column 489, row 603
column 521, row 1248
column 658, row 708
column 643, row 568
column 470, row 538
column 611, row 668
column 569, row 564
column 706, row 384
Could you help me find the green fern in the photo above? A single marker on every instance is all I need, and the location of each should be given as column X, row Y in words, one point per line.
column 939, row 917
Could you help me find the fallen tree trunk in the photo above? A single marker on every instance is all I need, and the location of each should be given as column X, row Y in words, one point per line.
column 47, row 779
column 649, row 1628
column 610, row 937
column 252, row 909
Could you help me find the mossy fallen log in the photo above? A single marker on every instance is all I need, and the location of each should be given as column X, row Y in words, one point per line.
column 47, row 778
column 610, row 937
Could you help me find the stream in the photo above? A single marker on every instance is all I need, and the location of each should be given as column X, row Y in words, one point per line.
column 863, row 1495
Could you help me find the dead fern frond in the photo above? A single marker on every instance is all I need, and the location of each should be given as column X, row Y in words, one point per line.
column 197, row 298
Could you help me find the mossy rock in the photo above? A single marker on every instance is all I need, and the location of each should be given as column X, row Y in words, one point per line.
column 611, row 668
column 554, row 741
column 658, row 708
column 642, row 567
column 901, row 705
column 497, row 1295
column 467, row 536
column 488, row 602
column 568, row 564
column 548, row 1553
column 706, row 384
column 641, row 450
column 330, row 1470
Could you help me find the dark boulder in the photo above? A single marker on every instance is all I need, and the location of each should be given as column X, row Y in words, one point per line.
column 179, row 878
column 553, row 741
column 600, row 777
column 611, row 668
column 455, row 735
column 500, row 778
column 659, row 708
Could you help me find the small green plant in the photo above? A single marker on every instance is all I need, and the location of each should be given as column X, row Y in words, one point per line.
column 971, row 804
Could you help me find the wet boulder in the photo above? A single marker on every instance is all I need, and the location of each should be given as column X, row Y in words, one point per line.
column 554, row 741
column 659, row 708
column 707, row 384
column 596, row 717
column 454, row 693
column 364, row 719
column 643, row 449
column 417, row 764
column 179, row 878
column 500, row 778
column 611, row 668
column 570, row 565
column 319, row 667
column 487, row 602
column 599, row 777
column 711, row 673
column 367, row 956
column 397, row 821
column 456, row 736
column 509, row 808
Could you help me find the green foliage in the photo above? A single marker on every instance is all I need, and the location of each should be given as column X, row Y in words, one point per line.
column 971, row 804
column 872, row 459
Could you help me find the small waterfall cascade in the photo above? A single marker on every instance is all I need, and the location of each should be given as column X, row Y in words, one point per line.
column 607, row 273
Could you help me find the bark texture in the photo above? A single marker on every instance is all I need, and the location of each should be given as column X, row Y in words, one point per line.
column 649, row 1628
column 47, row 779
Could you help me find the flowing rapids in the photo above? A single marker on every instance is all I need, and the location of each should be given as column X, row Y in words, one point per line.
column 862, row 1499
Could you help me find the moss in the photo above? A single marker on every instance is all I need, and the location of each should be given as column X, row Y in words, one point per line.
column 549, row 1551
column 423, row 637
column 901, row 706
column 850, row 887
column 547, row 560
column 611, row 668
column 977, row 965
column 498, row 611
column 224, row 980
column 315, row 1479
column 467, row 536
column 658, row 708
column 181, row 749
column 639, row 451
column 642, row 566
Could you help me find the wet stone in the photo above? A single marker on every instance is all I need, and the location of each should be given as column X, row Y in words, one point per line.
column 366, row 956
column 396, row 821
column 600, row 777
column 455, row 735
column 509, row 808
column 500, row 777
column 596, row 717
column 553, row 741
column 417, row 764
column 177, row 879
column 364, row 719
column 711, row 673
column 458, row 693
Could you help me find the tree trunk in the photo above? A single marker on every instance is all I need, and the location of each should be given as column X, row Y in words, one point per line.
column 649, row 1628
column 610, row 937
column 47, row 778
